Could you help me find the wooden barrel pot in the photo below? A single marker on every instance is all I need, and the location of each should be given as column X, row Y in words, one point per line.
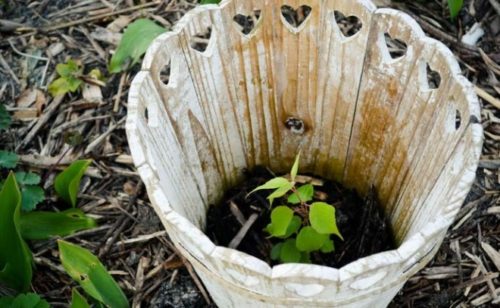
column 250, row 82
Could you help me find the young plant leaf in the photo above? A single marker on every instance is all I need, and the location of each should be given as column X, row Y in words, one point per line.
column 280, row 192
column 305, row 192
column 281, row 216
column 294, row 225
column 69, row 80
column 276, row 251
column 134, row 43
column 32, row 195
column 5, row 119
column 289, row 252
column 210, row 1
column 295, row 168
column 272, row 184
column 309, row 240
column 27, row 178
column 28, row 300
column 455, row 6
column 15, row 257
column 67, row 183
column 322, row 218
column 88, row 271
column 327, row 246
column 44, row 225
column 8, row 159
column 77, row 300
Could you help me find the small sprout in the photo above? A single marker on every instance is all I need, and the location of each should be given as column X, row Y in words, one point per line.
column 67, row 183
column 69, row 78
column 32, row 193
column 313, row 223
column 455, row 6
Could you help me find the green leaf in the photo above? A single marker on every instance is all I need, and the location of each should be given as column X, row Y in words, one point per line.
column 295, row 168
column 309, row 240
column 272, row 184
column 68, row 69
column 67, row 183
column 327, row 246
column 44, row 225
column 8, row 159
column 305, row 192
column 455, row 6
column 28, row 300
column 15, row 257
column 27, row 178
column 210, row 1
column 32, row 195
column 5, row 119
column 276, row 251
column 88, row 271
column 77, row 300
column 294, row 225
column 289, row 252
column 64, row 85
column 322, row 218
column 281, row 216
column 280, row 192
column 134, row 43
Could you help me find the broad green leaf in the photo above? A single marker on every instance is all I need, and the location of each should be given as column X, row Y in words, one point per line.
column 44, row 225
column 28, row 300
column 294, row 225
column 67, row 183
column 276, row 251
column 15, row 257
column 32, row 195
column 88, row 271
column 295, row 168
column 8, row 159
column 272, row 184
column 77, row 300
column 280, row 192
column 322, row 218
column 289, row 252
column 309, row 240
column 455, row 6
column 134, row 43
column 327, row 246
column 281, row 216
column 64, row 85
column 27, row 178
column 305, row 192
column 5, row 119
column 68, row 69
column 210, row 1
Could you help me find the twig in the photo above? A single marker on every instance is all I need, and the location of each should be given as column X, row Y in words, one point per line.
column 97, row 17
column 243, row 231
column 7, row 67
column 487, row 97
column 49, row 112
column 102, row 137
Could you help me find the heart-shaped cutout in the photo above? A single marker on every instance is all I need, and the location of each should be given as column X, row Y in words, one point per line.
column 200, row 41
column 350, row 25
column 295, row 17
column 396, row 47
column 247, row 23
column 433, row 78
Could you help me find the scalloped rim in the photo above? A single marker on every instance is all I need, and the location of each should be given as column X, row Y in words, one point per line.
column 409, row 250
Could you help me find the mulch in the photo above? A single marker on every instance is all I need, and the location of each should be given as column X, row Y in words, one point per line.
column 49, row 133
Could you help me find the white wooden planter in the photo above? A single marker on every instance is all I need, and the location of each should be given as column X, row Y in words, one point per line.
column 367, row 119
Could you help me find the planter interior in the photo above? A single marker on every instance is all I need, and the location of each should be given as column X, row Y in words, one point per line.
column 359, row 115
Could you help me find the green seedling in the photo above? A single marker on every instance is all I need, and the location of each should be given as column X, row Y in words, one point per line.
column 304, row 226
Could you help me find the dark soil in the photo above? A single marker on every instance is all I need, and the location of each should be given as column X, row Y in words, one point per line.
column 361, row 222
